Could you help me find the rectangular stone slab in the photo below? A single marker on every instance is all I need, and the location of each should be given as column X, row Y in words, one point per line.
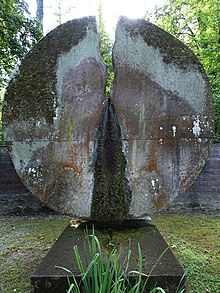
column 166, row 274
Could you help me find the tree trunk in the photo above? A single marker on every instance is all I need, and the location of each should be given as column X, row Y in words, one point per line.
column 40, row 11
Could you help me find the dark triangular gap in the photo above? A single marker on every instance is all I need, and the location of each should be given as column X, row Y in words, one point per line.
column 111, row 193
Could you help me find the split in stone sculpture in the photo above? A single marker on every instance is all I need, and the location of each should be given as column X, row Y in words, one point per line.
column 109, row 160
column 56, row 119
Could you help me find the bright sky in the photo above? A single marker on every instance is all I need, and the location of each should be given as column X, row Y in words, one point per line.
column 112, row 9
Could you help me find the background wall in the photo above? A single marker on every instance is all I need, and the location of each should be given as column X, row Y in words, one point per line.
column 203, row 195
column 14, row 196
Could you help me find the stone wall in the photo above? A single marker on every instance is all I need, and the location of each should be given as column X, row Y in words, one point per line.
column 9, row 180
column 204, row 194
column 14, row 196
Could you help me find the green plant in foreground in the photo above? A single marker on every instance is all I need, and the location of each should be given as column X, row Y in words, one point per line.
column 104, row 276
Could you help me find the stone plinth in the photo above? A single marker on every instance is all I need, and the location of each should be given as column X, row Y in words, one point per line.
column 167, row 272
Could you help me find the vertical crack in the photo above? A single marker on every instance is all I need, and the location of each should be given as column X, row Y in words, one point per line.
column 111, row 193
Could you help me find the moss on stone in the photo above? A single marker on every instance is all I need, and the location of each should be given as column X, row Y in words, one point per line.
column 32, row 92
column 111, row 194
column 172, row 49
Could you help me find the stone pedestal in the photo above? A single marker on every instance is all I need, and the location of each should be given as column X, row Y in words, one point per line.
column 167, row 272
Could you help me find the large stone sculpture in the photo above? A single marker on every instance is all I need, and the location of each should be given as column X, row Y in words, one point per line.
column 108, row 159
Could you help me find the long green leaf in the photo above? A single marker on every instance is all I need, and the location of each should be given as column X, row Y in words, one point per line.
column 80, row 266
column 73, row 285
column 158, row 260
column 182, row 289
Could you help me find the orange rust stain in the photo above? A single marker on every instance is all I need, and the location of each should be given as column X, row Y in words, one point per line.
column 160, row 201
column 168, row 144
column 153, row 158
column 152, row 165
column 72, row 166
column 75, row 159
column 187, row 181
column 78, row 153
column 155, row 148
column 41, row 195
column 50, row 186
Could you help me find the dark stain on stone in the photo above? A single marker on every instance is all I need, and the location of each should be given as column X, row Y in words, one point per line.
column 158, row 38
column 111, row 194
column 32, row 93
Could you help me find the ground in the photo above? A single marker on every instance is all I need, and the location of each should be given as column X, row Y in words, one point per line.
column 194, row 238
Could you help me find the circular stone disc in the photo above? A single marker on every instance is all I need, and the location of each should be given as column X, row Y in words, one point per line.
column 52, row 109
column 162, row 98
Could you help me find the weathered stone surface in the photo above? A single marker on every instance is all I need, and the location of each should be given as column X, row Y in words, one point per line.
column 131, row 156
column 52, row 110
column 203, row 195
column 162, row 98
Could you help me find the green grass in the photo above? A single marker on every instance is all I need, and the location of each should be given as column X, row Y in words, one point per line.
column 195, row 239
column 24, row 243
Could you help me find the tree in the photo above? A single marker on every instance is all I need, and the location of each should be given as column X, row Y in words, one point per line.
column 197, row 24
column 63, row 11
column 59, row 13
column 1, row 130
column 18, row 33
column 40, row 11
column 105, row 49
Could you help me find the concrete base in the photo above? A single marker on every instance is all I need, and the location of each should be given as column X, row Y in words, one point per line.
column 167, row 272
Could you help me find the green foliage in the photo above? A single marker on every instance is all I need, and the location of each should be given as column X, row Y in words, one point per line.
column 197, row 24
column 18, row 33
column 105, row 49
